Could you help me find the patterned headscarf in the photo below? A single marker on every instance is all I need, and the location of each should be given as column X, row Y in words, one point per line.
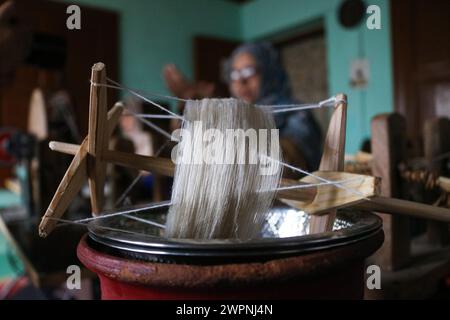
column 300, row 127
column 275, row 87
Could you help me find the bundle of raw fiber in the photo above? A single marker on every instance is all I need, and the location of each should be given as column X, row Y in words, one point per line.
column 225, row 178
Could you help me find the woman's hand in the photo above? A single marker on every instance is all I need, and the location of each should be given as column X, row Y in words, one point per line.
column 182, row 88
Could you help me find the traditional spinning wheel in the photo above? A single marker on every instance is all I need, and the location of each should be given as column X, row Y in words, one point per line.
column 91, row 157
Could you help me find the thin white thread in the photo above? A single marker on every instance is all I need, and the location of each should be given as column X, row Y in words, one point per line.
column 329, row 101
column 65, row 221
column 150, row 222
column 287, row 108
column 150, row 93
column 153, row 126
column 83, row 222
column 132, row 210
column 154, row 116
column 161, row 148
column 338, row 101
column 140, row 94
column 145, row 121
column 291, row 105
column 133, row 183
column 306, row 107
column 127, row 190
column 137, row 94
column 336, row 184
column 85, row 225
column 305, row 186
column 120, row 87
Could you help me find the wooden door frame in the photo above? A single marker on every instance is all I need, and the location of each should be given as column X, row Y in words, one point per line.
column 410, row 75
column 403, row 61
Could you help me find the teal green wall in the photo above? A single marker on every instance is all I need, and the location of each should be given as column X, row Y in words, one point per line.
column 156, row 32
column 262, row 18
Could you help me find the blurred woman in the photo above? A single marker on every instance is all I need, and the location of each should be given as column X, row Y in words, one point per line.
column 254, row 74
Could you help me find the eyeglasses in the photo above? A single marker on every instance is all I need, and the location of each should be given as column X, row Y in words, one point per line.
column 243, row 74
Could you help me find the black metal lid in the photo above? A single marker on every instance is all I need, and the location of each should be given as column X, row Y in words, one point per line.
column 285, row 234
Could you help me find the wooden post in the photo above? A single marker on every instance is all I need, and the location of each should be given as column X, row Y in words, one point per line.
column 389, row 149
column 97, row 139
column 436, row 142
column 75, row 177
column 332, row 158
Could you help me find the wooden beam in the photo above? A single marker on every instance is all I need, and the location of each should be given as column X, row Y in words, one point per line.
column 97, row 139
column 70, row 185
column 162, row 166
column 332, row 158
column 313, row 200
column 328, row 198
column 63, row 147
column 389, row 150
column 166, row 167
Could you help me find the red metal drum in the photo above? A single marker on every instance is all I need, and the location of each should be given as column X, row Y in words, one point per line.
column 320, row 266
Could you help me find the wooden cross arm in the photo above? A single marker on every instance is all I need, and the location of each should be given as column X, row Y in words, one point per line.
column 157, row 165
column 74, row 178
column 304, row 196
column 316, row 201
column 72, row 182
column 347, row 189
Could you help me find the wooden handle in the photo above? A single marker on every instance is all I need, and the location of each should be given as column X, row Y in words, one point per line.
column 404, row 207
column 63, row 147
column 157, row 165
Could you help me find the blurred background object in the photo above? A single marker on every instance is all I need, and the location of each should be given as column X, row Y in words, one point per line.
column 15, row 40
column 43, row 99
